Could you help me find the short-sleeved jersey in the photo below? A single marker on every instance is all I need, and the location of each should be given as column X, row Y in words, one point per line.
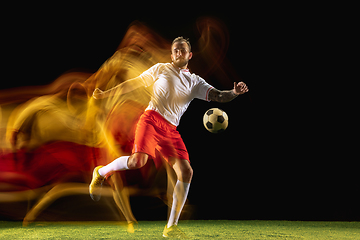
column 173, row 90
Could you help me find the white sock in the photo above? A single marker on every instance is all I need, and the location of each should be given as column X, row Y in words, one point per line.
column 118, row 164
column 181, row 190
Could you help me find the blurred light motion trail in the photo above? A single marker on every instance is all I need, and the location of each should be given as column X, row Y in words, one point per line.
column 53, row 136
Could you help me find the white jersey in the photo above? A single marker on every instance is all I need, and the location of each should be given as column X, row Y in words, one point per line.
column 173, row 90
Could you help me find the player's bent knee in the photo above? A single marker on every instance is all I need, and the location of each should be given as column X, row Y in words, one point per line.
column 137, row 160
column 187, row 174
column 190, row 173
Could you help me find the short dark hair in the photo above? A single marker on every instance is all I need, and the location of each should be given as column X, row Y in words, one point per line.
column 182, row 39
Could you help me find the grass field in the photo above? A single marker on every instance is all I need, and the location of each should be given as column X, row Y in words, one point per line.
column 200, row 229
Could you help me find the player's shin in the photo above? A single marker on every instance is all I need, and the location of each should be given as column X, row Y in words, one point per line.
column 118, row 164
column 181, row 190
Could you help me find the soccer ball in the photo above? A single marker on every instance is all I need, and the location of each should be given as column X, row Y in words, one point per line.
column 215, row 120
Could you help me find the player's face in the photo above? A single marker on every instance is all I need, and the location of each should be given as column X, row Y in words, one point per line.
column 180, row 54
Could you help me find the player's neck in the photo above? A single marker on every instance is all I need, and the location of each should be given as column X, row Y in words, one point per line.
column 179, row 68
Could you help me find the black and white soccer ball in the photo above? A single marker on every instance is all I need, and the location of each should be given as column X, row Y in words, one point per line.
column 215, row 120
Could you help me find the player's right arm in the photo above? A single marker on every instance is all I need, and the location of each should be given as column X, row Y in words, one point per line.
column 122, row 88
column 228, row 95
column 144, row 80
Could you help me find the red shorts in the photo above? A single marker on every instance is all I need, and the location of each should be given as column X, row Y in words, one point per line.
column 154, row 133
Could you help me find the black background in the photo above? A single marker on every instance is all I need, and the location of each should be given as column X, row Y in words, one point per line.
column 284, row 155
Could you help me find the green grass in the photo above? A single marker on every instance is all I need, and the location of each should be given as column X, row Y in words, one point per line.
column 211, row 229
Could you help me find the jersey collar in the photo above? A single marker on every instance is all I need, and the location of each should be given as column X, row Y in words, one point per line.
column 180, row 69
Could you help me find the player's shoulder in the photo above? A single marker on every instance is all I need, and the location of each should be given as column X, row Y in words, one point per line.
column 159, row 66
column 196, row 78
column 165, row 65
column 155, row 69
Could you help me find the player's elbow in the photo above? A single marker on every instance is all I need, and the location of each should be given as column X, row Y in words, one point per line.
column 218, row 96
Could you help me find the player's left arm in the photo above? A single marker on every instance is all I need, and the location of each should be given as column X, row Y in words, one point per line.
column 228, row 95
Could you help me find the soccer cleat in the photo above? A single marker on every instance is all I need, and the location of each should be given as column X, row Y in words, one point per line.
column 96, row 184
column 173, row 232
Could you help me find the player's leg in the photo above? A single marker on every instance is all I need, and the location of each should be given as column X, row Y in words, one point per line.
column 144, row 145
column 100, row 172
column 118, row 164
column 121, row 198
column 184, row 174
column 183, row 169
column 135, row 161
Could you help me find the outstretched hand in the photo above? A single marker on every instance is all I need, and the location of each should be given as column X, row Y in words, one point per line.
column 240, row 88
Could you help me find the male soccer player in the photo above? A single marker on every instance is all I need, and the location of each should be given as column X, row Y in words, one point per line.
column 174, row 87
